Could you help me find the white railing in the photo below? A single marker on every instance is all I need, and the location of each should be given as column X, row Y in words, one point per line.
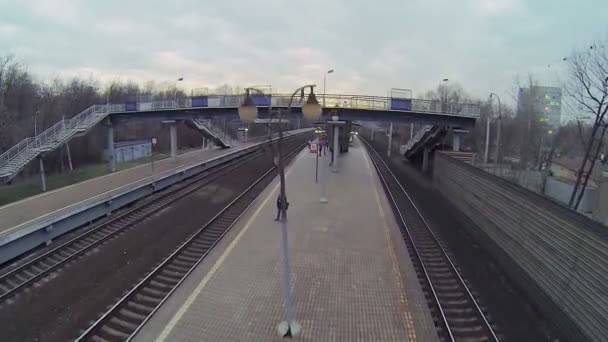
column 206, row 125
column 90, row 116
column 416, row 138
column 59, row 132
column 15, row 150
column 329, row 101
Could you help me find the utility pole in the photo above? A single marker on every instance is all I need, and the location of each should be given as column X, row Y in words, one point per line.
column 390, row 140
column 498, row 128
column 486, row 150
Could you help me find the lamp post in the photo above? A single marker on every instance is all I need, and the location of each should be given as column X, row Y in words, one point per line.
column 36, row 123
column 498, row 124
column 248, row 91
column 330, row 71
column 175, row 96
column 311, row 110
column 485, row 152
column 443, row 105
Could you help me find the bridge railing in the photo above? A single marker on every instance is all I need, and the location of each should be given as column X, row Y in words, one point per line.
column 416, row 138
column 16, row 150
column 328, row 101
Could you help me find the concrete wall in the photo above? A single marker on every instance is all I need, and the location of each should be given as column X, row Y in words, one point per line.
column 557, row 256
column 127, row 153
column 529, row 179
column 556, row 189
column 561, row 191
column 563, row 172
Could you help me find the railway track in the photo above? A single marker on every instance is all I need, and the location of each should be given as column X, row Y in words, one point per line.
column 458, row 315
column 124, row 319
column 20, row 278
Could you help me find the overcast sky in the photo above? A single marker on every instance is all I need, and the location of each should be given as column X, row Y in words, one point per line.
column 372, row 45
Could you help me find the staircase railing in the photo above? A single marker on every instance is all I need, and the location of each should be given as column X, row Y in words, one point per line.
column 416, row 138
column 45, row 137
column 14, row 151
column 213, row 130
column 65, row 127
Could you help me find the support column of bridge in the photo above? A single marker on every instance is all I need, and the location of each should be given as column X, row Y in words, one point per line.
column 173, row 138
column 111, row 159
column 455, row 142
column 42, row 174
column 457, row 135
column 335, row 123
column 425, row 160
column 390, row 140
column 173, row 133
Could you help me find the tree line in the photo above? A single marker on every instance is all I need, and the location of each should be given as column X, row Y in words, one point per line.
column 28, row 105
column 527, row 140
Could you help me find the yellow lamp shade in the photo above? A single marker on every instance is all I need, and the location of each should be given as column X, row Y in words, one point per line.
column 248, row 112
column 312, row 109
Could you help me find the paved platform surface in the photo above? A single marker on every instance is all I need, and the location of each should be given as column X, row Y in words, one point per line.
column 352, row 277
column 17, row 213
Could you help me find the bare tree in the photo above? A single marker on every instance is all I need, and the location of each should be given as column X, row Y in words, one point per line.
column 451, row 96
column 588, row 86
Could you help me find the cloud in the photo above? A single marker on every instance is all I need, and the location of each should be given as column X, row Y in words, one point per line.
column 495, row 7
column 482, row 44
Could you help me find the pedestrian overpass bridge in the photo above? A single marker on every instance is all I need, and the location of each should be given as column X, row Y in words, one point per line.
column 347, row 107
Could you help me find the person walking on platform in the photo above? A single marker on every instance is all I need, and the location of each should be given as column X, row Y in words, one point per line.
column 279, row 207
column 320, row 149
column 323, row 144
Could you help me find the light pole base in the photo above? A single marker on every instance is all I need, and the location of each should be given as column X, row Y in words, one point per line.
column 323, row 200
column 287, row 331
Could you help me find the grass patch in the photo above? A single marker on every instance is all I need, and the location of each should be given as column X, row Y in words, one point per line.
column 24, row 188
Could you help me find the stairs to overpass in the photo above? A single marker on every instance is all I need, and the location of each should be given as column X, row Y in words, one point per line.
column 426, row 137
column 209, row 131
column 17, row 157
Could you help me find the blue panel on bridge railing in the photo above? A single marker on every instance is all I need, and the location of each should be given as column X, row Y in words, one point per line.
column 261, row 100
column 131, row 106
column 401, row 104
column 200, row 101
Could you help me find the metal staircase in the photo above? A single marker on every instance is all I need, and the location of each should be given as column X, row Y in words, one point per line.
column 427, row 136
column 208, row 130
column 17, row 157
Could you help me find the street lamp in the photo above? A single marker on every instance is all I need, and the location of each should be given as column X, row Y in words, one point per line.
column 443, row 104
column 311, row 111
column 330, row 71
column 248, row 110
column 175, row 97
column 498, row 124
column 250, row 106
column 36, row 123
column 36, row 127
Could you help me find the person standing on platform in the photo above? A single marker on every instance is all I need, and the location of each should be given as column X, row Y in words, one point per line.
column 320, row 149
column 324, row 144
column 279, row 206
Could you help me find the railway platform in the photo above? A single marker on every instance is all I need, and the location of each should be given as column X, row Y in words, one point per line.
column 352, row 277
column 17, row 213
column 40, row 219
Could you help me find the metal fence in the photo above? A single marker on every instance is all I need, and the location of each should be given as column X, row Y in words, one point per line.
column 559, row 257
column 330, row 101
